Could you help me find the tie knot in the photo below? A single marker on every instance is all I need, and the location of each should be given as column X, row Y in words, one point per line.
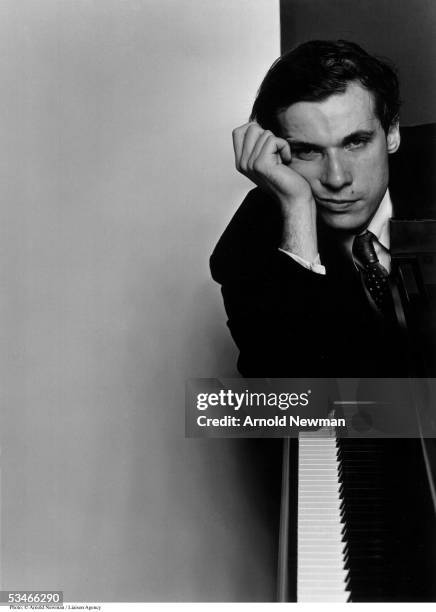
column 363, row 249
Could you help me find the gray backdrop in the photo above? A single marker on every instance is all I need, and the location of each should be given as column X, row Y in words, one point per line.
column 116, row 180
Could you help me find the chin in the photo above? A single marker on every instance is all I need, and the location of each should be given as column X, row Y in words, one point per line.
column 346, row 222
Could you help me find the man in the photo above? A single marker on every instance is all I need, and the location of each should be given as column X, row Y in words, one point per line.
column 297, row 293
column 304, row 268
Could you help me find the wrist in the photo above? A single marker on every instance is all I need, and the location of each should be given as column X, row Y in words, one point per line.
column 291, row 206
column 299, row 234
column 306, row 249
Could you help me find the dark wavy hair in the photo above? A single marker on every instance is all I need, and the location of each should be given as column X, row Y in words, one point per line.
column 315, row 70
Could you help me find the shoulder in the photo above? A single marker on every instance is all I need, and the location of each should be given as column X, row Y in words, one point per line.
column 256, row 208
column 253, row 231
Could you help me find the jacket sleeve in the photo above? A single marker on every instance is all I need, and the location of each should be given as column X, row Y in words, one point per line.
column 278, row 311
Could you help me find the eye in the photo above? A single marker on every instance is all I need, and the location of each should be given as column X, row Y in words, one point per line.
column 305, row 154
column 357, row 143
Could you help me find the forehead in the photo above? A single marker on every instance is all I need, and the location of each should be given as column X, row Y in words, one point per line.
column 332, row 119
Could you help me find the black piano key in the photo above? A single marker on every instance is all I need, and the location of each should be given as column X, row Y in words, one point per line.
column 384, row 508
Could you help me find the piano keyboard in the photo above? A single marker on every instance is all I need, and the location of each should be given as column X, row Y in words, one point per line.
column 321, row 553
column 366, row 528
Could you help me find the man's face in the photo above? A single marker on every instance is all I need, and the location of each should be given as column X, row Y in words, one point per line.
column 341, row 149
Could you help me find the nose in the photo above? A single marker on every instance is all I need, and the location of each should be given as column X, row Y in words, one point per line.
column 336, row 173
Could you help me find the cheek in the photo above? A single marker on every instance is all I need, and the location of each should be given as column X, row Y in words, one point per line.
column 311, row 171
column 374, row 161
column 371, row 172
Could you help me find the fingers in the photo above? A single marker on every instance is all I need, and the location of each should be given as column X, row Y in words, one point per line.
column 254, row 147
column 284, row 150
column 244, row 140
column 254, row 138
column 274, row 151
column 257, row 149
column 238, row 142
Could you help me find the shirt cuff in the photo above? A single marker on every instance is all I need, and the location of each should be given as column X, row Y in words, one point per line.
column 316, row 265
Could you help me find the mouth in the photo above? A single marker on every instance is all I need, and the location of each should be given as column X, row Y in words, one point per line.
column 336, row 204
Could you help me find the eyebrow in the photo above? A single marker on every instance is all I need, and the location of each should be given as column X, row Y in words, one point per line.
column 363, row 134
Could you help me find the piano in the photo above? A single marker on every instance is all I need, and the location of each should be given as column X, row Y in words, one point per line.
column 361, row 521
column 358, row 516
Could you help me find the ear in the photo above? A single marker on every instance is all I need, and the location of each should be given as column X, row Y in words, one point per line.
column 393, row 137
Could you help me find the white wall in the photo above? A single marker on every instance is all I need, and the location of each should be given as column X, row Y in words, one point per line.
column 116, row 180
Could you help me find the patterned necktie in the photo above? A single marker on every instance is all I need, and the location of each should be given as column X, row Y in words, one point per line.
column 375, row 276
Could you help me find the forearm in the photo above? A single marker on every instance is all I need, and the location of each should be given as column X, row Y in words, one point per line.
column 299, row 234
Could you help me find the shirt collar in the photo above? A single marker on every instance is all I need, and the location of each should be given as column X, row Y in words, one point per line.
column 379, row 225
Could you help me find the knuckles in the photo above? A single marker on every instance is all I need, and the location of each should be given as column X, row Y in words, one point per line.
column 246, row 163
column 257, row 166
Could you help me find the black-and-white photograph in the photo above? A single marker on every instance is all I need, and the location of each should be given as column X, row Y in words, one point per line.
column 202, row 198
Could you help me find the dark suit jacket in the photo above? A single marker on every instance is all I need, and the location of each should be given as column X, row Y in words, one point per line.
column 288, row 321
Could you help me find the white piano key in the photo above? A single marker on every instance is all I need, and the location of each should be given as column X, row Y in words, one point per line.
column 321, row 576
